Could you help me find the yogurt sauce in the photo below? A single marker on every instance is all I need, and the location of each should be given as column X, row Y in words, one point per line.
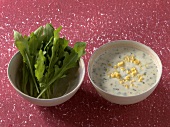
column 124, row 71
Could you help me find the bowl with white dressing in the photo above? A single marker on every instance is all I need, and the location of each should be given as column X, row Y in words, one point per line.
column 124, row 71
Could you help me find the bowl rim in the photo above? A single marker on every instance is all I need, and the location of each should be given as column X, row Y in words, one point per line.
column 133, row 42
column 40, row 99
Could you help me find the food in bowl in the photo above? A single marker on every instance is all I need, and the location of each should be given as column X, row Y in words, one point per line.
column 48, row 61
column 124, row 72
column 13, row 75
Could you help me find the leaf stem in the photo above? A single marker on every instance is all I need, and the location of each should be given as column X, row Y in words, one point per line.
column 32, row 72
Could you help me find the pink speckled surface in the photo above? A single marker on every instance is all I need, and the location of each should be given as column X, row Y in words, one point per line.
column 96, row 22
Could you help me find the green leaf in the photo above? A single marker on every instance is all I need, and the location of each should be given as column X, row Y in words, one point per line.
column 31, row 71
column 40, row 66
column 53, row 40
column 38, row 32
column 55, row 48
column 63, row 43
column 48, row 32
column 56, row 33
column 52, row 50
column 69, row 62
column 17, row 36
column 56, row 43
column 35, row 41
column 79, row 47
column 22, row 45
column 25, row 75
column 34, row 45
column 54, row 57
column 48, row 44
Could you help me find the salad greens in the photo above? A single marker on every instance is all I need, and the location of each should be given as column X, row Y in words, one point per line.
column 47, row 59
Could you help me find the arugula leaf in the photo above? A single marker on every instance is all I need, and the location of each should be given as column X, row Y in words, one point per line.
column 31, row 71
column 79, row 47
column 22, row 45
column 25, row 75
column 48, row 44
column 63, row 43
column 56, row 33
column 69, row 62
column 48, row 32
column 40, row 66
column 55, row 47
column 54, row 57
column 38, row 32
column 34, row 45
column 17, row 36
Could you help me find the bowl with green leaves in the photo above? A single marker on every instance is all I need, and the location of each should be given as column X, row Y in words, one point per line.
column 46, row 71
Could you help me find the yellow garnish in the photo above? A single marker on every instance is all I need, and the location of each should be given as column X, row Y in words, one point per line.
column 127, row 86
column 122, row 68
column 132, row 81
column 133, row 69
column 127, row 77
column 132, row 73
column 121, row 81
column 120, row 64
column 137, row 62
column 127, row 59
column 132, row 58
column 115, row 75
column 140, row 79
column 127, row 72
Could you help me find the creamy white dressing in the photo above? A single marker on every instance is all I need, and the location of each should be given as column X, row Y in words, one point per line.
column 103, row 67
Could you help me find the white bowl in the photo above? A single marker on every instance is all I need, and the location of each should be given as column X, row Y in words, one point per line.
column 12, row 71
column 124, row 100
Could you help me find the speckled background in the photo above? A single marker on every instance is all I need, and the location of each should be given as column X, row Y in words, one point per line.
column 95, row 22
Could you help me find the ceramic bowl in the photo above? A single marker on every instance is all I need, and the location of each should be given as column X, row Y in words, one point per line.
column 12, row 71
column 119, row 99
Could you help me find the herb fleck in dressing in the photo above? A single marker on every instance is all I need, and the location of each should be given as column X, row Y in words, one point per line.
column 124, row 71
